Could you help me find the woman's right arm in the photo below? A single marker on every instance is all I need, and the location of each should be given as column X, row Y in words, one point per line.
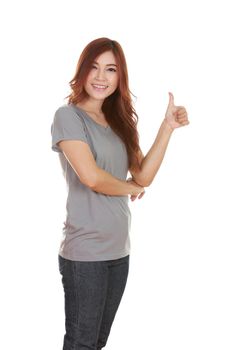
column 81, row 159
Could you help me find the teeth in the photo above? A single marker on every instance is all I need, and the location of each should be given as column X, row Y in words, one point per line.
column 100, row 86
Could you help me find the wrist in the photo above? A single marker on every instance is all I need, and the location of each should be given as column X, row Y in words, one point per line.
column 131, row 188
column 167, row 126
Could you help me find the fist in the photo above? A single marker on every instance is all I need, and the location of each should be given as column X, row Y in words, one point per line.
column 176, row 116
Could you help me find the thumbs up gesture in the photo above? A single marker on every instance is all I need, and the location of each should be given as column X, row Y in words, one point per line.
column 176, row 116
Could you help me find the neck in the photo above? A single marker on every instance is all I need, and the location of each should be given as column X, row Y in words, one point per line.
column 92, row 105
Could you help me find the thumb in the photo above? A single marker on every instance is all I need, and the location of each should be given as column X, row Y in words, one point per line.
column 171, row 99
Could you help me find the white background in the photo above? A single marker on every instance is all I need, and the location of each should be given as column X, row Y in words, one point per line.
column 179, row 289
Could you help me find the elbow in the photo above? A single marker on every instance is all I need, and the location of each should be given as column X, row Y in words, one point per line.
column 145, row 180
column 146, row 183
column 91, row 180
column 91, row 183
column 142, row 181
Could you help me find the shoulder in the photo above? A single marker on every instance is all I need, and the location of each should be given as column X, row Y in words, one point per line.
column 64, row 109
column 66, row 112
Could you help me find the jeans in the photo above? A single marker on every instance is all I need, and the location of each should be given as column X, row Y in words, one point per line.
column 92, row 291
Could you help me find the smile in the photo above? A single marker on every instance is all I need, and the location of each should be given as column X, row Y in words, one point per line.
column 99, row 87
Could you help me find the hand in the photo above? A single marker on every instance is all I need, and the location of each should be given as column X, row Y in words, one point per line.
column 133, row 197
column 176, row 116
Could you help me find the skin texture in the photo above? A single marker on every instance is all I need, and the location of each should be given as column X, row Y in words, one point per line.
column 104, row 72
column 175, row 117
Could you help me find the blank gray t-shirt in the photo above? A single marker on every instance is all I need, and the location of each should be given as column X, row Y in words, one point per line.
column 97, row 225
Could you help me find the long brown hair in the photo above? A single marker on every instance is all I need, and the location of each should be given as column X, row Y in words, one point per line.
column 117, row 108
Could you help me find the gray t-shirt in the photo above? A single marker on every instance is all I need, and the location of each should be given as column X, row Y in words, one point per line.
column 97, row 225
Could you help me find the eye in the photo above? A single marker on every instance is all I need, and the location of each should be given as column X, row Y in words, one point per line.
column 94, row 67
column 112, row 69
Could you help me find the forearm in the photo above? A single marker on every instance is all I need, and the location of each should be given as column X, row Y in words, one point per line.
column 108, row 184
column 153, row 159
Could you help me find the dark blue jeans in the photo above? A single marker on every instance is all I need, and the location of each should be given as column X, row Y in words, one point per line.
column 92, row 291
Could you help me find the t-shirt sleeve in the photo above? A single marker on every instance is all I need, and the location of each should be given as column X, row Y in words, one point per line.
column 66, row 125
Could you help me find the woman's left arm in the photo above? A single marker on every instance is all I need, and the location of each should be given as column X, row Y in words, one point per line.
column 175, row 117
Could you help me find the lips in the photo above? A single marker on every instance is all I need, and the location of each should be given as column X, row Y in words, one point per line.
column 99, row 87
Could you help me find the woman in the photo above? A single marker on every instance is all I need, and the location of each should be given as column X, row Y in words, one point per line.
column 96, row 136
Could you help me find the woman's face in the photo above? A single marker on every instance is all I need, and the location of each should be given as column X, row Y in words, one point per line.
column 102, row 79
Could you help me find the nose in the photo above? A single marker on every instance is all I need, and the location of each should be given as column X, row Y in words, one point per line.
column 100, row 75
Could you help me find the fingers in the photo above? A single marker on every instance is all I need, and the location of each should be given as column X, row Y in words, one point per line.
column 183, row 123
column 133, row 197
column 141, row 195
column 181, row 112
column 181, row 116
column 180, row 108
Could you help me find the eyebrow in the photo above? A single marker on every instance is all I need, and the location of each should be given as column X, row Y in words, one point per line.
column 110, row 64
